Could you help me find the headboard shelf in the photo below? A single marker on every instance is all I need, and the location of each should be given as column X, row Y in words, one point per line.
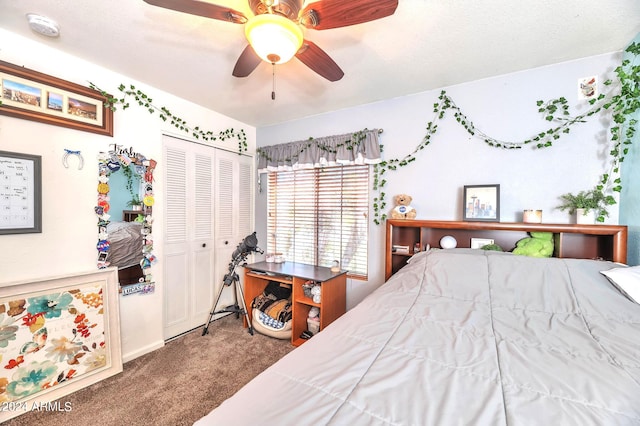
column 608, row 242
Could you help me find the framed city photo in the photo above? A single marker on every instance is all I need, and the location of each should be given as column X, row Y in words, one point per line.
column 481, row 203
column 31, row 95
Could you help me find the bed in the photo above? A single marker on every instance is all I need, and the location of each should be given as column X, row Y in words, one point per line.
column 463, row 337
column 125, row 250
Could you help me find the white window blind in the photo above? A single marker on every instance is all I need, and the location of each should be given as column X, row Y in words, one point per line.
column 316, row 216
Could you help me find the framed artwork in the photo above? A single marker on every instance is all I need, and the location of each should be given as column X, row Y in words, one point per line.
column 32, row 95
column 20, row 193
column 57, row 336
column 481, row 203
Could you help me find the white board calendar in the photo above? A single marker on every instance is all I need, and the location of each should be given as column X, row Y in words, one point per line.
column 20, row 193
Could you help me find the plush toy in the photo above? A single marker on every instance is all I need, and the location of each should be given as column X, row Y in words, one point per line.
column 313, row 320
column 403, row 209
column 540, row 244
column 316, row 291
column 314, row 312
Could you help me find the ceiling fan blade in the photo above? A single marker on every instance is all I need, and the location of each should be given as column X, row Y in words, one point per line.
column 326, row 14
column 316, row 59
column 201, row 8
column 247, row 62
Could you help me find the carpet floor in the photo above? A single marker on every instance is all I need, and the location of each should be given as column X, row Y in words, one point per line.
column 174, row 385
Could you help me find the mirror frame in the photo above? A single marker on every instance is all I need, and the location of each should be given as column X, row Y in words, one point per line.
column 111, row 162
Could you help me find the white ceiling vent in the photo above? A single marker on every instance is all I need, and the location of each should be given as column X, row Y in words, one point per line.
column 43, row 25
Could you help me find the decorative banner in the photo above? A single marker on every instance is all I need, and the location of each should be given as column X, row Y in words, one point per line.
column 143, row 288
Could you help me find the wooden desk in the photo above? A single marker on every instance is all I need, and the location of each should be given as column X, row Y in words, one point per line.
column 333, row 298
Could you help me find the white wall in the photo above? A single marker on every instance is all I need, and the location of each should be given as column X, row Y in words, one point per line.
column 630, row 198
column 503, row 107
column 68, row 242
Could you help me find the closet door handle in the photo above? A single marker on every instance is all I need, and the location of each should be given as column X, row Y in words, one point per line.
column 226, row 242
column 204, row 244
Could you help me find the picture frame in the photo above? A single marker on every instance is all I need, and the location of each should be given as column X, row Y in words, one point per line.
column 20, row 193
column 478, row 243
column 60, row 335
column 481, row 203
column 32, row 95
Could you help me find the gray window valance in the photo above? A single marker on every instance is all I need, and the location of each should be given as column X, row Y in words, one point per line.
column 360, row 147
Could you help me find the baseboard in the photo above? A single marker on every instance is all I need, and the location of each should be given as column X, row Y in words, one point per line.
column 149, row 348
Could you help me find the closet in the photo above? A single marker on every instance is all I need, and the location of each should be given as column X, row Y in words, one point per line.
column 207, row 212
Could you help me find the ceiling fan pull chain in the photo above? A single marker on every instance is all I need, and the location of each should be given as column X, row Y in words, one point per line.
column 273, row 90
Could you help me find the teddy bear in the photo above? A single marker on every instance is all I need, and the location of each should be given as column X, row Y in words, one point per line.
column 539, row 244
column 403, row 209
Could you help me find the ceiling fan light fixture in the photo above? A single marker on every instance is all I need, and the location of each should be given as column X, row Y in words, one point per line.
column 274, row 38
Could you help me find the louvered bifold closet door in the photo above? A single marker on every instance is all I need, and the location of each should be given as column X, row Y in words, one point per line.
column 188, row 263
column 203, row 243
column 245, row 196
column 176, row 259
column 225, row 213
column 233, row 211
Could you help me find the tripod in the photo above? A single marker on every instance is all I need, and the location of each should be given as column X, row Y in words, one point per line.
column 230, row 278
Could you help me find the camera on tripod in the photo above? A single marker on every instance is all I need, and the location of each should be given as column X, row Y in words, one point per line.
column 247, row 246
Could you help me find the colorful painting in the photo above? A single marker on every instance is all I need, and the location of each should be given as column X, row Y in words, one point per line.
column 52, row 338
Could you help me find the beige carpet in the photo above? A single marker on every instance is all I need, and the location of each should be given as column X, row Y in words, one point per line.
column 174, row 385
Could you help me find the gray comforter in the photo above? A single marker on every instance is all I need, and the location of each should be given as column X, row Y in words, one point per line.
column 125, row 240
column 463, row 337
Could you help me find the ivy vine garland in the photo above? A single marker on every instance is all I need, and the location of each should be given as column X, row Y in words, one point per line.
column 622, row 104
column 145, row 101
column 623, row 100
column 129, row 175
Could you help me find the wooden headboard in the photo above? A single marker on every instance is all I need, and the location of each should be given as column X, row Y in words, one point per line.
column 607, row 242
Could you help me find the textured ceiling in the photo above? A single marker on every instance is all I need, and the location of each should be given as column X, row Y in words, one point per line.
column 426, row 44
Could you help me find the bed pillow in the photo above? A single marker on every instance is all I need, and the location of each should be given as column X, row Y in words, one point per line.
column 627, row 280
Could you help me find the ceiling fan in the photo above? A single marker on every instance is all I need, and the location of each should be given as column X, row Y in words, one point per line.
column 275, row 31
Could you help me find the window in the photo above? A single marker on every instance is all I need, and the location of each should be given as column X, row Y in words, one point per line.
column 317, row 216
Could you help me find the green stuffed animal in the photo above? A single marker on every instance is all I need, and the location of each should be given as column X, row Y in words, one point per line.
column 540, row 244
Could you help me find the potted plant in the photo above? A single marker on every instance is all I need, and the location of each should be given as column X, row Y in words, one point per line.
column 135, row 202
column 133, row 181
column 587, row 205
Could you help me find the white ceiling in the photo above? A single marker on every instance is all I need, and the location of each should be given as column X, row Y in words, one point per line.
column 426, row 44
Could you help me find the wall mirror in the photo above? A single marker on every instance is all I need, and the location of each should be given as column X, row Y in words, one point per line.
column 124, row 210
